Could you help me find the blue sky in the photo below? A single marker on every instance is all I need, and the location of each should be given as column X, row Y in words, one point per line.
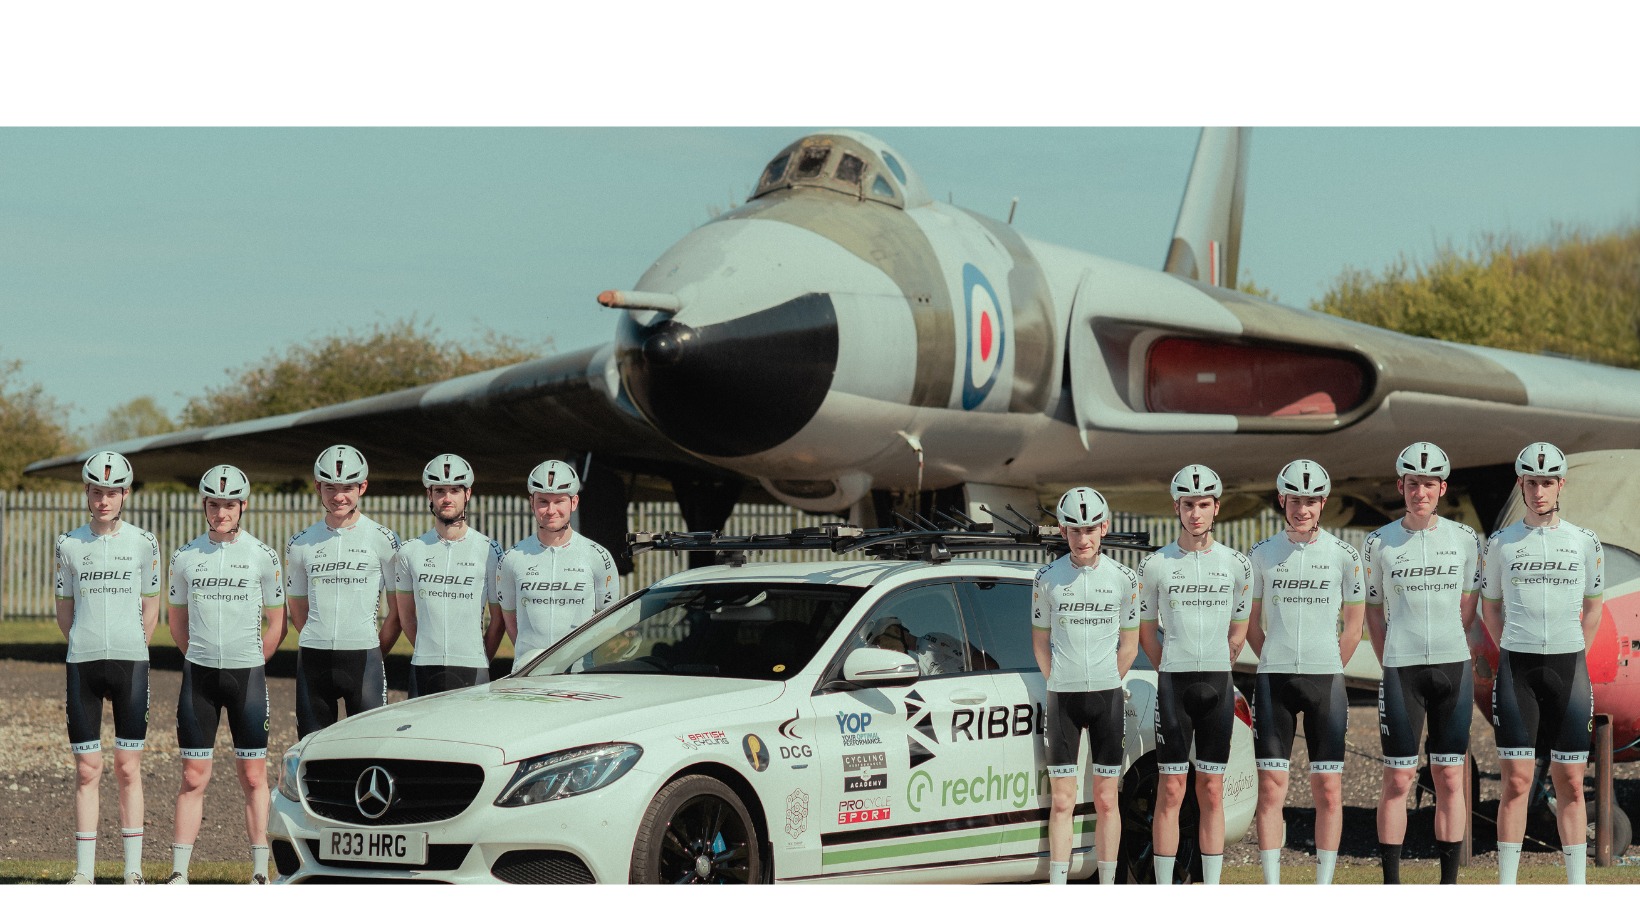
column 141, row 260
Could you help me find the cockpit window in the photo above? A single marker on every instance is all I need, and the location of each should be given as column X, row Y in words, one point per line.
column 850, row 169
column 881, row 188
column 811, row 162
column 893, row 165
column 775, row 170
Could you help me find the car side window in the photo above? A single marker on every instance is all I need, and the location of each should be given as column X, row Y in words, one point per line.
column 922, row 621
column 999, row 622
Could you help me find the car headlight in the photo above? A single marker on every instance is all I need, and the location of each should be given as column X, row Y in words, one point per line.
column 288, row 780
column 568, row 773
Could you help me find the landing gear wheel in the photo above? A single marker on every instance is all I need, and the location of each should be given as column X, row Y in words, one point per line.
column 697, row 831
column 1622, row 829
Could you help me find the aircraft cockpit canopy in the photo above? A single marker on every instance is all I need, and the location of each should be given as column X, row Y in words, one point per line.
column 851, row 163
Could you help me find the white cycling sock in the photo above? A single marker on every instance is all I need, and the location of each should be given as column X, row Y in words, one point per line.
column 1107, row 872
column 1577, row 861
column 1212, row 864
column 1508, row 863
column 85, row 853
column 180, row 855
column 1271, row 861
column 1058, row 873
column 259, row 860
column 1164, row 869
column 132, row 839
column 1325, row 861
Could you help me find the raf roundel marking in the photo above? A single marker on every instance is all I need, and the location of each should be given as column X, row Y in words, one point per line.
column 987, row 338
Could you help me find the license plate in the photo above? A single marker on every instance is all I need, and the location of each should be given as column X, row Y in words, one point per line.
column 407, row 847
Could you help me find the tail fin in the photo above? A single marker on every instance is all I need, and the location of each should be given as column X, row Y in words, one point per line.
column 1207, row 236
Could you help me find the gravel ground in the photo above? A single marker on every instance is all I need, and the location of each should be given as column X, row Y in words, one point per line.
column 36, row 781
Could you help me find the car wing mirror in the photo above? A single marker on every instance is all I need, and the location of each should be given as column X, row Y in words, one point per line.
column 876, row 667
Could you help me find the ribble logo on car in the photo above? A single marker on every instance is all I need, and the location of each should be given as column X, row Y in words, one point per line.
column 998, row 722
column 864, row 772
column 757, row 753
column 986, row 337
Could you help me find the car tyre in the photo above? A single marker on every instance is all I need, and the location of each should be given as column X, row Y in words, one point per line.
column 697, row 831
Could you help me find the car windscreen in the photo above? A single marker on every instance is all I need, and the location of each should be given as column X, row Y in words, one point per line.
column 747, row 630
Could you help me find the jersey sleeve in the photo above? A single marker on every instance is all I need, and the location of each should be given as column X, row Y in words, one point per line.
column 179, row 582
column 492, row 569
column 1352, row 586
column 403, row 581
column 273, row 584
column 1039, row 602
column 1256, row 592
column 296, row 575
column 506, row 587
column 1241, row 599
column 1594, row 565
column 1472, row 563
column 389, row 560
column 66, row 575
column 150, row 570
column 1130, row 605
column 606, row 578
column 1149, row 592
column 1492, row 570
column 1371, row 555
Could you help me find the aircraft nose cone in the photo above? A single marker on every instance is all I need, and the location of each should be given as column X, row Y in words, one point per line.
column 734, row 388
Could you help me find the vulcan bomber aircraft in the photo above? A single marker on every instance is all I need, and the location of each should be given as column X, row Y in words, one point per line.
column 842, row 342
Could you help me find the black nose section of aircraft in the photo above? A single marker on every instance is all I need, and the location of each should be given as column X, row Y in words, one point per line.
column 736, row 388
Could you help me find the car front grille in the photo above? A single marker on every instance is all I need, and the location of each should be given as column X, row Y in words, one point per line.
column 542, row 867
column 424, row 790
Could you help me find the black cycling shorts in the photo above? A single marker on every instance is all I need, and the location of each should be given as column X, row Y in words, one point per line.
column 206, row 692
column 1276, row 704
column 1443, row 692
column 125, row 685
column 437, row 678
column 1199, row 705
column 1103, row 714
column 1543, row 702
column 324, row 676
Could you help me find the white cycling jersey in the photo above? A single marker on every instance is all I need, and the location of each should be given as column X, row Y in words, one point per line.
column 1302, row 588
column 554, row 589
column 1194, row 597
column 225, row 586
column 342, row 573
column 452, row 584
column 1543, row 574
column 1084, row 610
column 107, row 577
column 1419, row 577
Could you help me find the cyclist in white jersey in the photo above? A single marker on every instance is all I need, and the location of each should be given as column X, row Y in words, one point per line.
column 1085, row 635
column 1305, row 626
column 107, row 607
column 554, row 580
column 1194, row 595
column 227, row 615
column 446, row 587
column 1542, row 588
column 1423, row 572
column 336, row 573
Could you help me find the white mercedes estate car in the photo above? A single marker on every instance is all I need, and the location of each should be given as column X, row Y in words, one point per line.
column 878, row 720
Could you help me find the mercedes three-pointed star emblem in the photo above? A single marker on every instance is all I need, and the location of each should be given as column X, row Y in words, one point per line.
column 374, row 792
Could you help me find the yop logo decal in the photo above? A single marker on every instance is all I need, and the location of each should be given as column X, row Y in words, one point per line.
column 986, row 340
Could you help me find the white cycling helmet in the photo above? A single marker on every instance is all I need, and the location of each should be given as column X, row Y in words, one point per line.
column 107, row 470
column 1541, row 459
column 1196, row 481
column 225, row 482
column 341, row 465
column 1082, row 507
column 554, row 477
column 1303, row 478
column 1423, row 459
column 447, row 469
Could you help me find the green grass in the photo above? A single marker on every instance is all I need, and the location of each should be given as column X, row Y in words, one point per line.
column 15, row 872
column 1428, row 873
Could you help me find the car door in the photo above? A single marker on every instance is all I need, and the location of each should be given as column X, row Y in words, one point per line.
column 895, row 798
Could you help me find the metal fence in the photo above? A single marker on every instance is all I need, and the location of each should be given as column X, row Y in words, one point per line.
column 30, row 522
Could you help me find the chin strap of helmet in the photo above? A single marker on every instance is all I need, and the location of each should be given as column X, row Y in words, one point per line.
column 447, row 521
